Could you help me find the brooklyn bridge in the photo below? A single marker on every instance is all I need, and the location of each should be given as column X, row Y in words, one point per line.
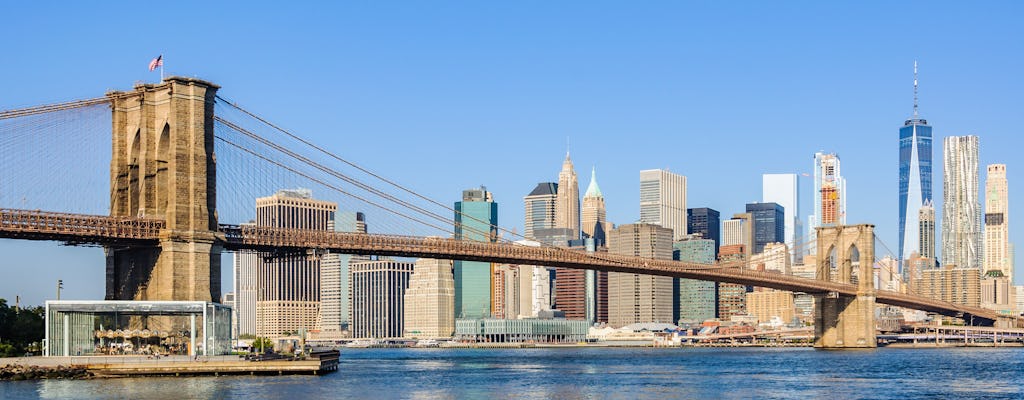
column 184, row 161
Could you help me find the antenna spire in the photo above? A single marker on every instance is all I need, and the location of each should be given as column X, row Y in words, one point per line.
column 915, row 89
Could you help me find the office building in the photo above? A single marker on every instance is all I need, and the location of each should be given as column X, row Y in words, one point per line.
column 476, row 218
column 245, row 266
column 697, row 299
column 335, row 308
column 288, row 287
column 595, row 221
column 739, row 231
column 634, row 298
column 784, row 190
column 429, row 302
column 769, row 224
column 961, row 210
column 997, row 292
column 540, row 208
column 663, row 200
column 915, row 179
column 378, row 297
column 704, row 222
column 829, row 191
column 567, row 208
column 926, row 230
column 997, row 222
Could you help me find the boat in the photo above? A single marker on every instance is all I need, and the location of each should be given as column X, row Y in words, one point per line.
column 362, row 343
column 428, row 343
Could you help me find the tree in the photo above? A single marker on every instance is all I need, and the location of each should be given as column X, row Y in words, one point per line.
column 20, row 329
column 262, row 344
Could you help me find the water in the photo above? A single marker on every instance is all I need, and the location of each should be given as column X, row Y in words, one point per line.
column 584, row 373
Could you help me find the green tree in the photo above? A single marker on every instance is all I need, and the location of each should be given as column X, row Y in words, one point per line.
column 262, row 344
column 20, row 329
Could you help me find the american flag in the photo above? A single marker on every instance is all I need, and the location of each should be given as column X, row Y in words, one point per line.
column 157, row 62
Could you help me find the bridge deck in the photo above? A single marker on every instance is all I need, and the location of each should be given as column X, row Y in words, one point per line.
column 103, row 230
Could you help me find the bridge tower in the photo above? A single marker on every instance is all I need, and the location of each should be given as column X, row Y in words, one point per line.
column 163, row 167
column 846, row 254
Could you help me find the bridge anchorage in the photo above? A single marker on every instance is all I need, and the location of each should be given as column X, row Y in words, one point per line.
column 163, row 240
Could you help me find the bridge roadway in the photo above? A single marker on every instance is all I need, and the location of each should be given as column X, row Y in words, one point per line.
column 78, row 229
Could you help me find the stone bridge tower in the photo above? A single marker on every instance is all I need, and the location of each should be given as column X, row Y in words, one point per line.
column 846, row 254
column 163, row 167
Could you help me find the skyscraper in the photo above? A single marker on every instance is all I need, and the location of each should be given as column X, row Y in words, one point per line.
column 476, row 218
column 784, row 190
column 245, row 266
column 997, row 222
column 769, row 224
column 961, row 211
column 926, row 231
column 335, row 308
column 915, row 177
column 567, row 210
column 704, row 222
column 430, row 300
column 829, row 191
column 697, row 299
column 288, row 289
column 634, row 298
column 663, row 200
column 595, row 222
column 540, row 208
column 378, row 297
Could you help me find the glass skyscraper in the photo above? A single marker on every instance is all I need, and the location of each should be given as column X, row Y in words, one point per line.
column 915, row 178
column 476, row 218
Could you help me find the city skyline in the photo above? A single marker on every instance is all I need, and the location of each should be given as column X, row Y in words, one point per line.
column 651, row 84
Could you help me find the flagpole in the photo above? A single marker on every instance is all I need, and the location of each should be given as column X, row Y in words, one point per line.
column 161, row 68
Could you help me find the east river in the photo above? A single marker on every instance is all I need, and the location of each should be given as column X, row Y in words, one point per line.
column 585, row 373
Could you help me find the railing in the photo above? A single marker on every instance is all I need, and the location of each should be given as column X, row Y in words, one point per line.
column 86, row 228
column 76, row 228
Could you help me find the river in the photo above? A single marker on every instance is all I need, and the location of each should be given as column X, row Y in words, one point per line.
column 585, row 373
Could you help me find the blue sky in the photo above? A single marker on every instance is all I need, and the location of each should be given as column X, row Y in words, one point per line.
column 447, row 96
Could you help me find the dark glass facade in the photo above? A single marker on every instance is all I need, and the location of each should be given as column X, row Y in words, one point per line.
column 915, row 180
column 704, row 221
column 769, row 224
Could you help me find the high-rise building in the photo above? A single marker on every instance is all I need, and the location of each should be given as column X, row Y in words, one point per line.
column 732, row 297
column 540, row 208
column 997, row 292
column 774, row 257
column 567, row 209
column 705, row 222
column 663, row 200
column 634, row 298
column 769, row 224
column 697, row 299
column 245, row 266
column 288, row 288
column 430, row 300
column 951, row 284
column 767, row 304
column 784, row 190
column 739, row 231
column 595, row 221
column 997, row 222
column 915, row 178
column 335, row 308
column 476, row 218
column 378, row 297
column 961, row 210
column 829, row 191
column 926, row 230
